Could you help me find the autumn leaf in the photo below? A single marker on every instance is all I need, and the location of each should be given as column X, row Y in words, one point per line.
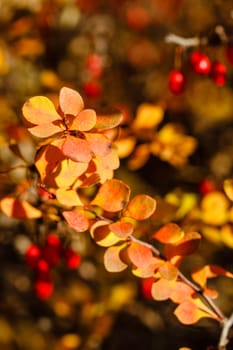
column 70, row 101
column 168, row 271
column 77, row 219
column 19, row 209
column 76, row 149
column 112, row 196
column 140, row 255
column 102, row 235
column 122, row 229
column 46, row 129
column 108, row 118
column 161, row 289
column 189, row 313
column 84, row 121
column 148, row 116
column 169, row 233
column 68, row 197
column 99, row 144
column 112, row 259
column 148, row 270
column 67, row 172
column 186, row 246
column 201, row 275
column 228, row 188
column 40, row 110
column 141, row 207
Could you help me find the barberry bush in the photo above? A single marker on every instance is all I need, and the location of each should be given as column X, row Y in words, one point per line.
column 116, row 194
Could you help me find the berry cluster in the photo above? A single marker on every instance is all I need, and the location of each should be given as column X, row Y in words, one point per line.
column 202, row 65
column 94, row 68
column 42, row 259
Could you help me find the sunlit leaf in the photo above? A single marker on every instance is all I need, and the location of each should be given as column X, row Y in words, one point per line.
column 99, row 144
column 48, row 157
column 186, row 246
column 40, row 110
column 169, row 233
column 125, row 146
column 70, row 101
column 68, row 197
column 209, row 271
column 112, row 196
column 107, row 162
column 77, row 219
column 226, row 235
column 109, row 118
column 161, row 289
column 214, row 207
column 139, row 157
column 148, row 116
column 189, row 313
column 140, row 255
column 180, row 292
column 19, row 209
column 67, row 172
column 101, row 233
column 168, row 271
column 77, row 149
column 46, row 129
column 112, row 260
column 141, row 207
column 228, row 188
column 147, row 270
column 84, row 121
column 122, row 229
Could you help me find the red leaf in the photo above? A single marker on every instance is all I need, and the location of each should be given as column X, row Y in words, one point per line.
column 77, row 219
column 112, row 196
column 70, row 101
column 169, row 233
column 112, row 260
column 76, row 149
column 141, row 207
column 140, row 255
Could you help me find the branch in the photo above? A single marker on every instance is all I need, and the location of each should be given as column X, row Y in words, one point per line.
column 227, row 324
column 185, row 42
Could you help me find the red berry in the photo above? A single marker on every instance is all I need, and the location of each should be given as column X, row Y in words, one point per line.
column 229, row 54
column 43, row 288
column 43, row 269
column 94, row 64
column 146, row 285
column 200, row 63
column 51, row 255
column 176, row 82
column 92, row 89
column 72, row 259
column 218, row 73
column 32, row 256
column 53, row 241
column 206, row 186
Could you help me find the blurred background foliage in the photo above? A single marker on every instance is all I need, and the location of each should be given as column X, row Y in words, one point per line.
column 114, row 53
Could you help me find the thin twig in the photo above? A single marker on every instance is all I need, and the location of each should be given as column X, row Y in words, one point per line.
column 227, row 324
column 185, row 42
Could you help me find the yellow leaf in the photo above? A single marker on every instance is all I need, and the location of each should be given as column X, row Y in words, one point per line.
column 148, row 116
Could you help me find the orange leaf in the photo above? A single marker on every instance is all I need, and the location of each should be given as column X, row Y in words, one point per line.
column 186, row 246
column 148, row 270
column 107, row 119
column 112, row 260
column 19, row 209
column 161, row 289
column 99, row 144
column 122, row 229
column 100, row 232
column 77, row 149
column 148, row 116
column 228, row 188
column 168, row 271
column 189, row 313
column 209, row 271
column 84, row 121
column 180, row 292
column 68, row 197
column 77, row 219
column 169, row 233
column 139, row 157
column 40, row 110
column 112, row 196
column 140, row 255
column 70, row 101
column 46, row 129
column 141, row 207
